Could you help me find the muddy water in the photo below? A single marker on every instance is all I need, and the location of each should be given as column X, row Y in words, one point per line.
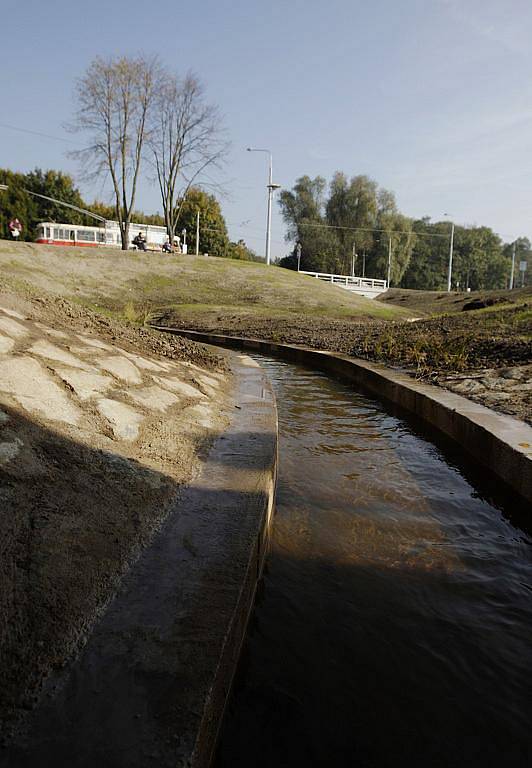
column 394, row 624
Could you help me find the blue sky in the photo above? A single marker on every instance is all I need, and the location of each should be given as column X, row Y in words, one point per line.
column 432, row 98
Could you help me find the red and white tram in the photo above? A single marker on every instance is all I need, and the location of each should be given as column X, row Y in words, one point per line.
column 52, row 233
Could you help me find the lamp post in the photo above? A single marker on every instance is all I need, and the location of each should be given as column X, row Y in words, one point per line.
column 184, row 233
column 271, row 189
column 450, row 269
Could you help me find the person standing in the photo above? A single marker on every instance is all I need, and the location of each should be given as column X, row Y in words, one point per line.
column 15, row 227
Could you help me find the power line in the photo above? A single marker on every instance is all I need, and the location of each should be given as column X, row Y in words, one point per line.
column 36, row 133
column 371, row 229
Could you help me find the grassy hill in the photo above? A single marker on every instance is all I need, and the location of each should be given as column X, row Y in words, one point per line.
column 189, row 286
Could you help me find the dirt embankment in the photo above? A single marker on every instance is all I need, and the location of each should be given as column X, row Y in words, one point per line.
column 100, row 425
column 479, row 344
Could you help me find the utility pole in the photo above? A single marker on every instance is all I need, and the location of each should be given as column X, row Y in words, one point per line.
column 450, row 271
column 197, row 234
column 298, row 251
column 513, row 267
column 389, row 260
column 353, row 259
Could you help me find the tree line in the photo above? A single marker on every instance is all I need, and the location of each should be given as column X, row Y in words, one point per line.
column 354, row 222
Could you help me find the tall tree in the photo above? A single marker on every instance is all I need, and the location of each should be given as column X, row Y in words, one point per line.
column 427, row 269
column 305, row 202
column 114, row 99
column 352, row 208
column 394, row 240
column 214, row 239
column 187, row 137
column 477, row 260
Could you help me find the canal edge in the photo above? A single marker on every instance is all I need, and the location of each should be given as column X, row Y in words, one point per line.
column 151, row 684
column 498, row 441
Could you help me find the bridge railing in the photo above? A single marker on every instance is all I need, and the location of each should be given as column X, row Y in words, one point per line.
column 347, row 281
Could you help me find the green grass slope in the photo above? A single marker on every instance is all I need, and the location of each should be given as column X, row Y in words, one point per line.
column 139, row 284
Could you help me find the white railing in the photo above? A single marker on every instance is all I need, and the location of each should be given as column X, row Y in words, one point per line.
column 351, row 283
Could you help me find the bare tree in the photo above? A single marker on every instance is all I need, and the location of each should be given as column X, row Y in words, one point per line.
column 114, row 100
column 186, row 138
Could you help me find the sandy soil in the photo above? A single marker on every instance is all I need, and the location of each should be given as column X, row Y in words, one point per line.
column 100, row 425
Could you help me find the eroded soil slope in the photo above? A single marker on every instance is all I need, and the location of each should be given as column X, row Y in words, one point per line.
column 100, row 424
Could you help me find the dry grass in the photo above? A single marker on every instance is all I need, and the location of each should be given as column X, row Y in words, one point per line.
column 136, row 284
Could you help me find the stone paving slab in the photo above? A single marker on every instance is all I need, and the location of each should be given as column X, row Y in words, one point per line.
column 12, row 327
column 154, row 397
column 85, row 384
column 178, row 386
column 28, row 382
column 6, row 344
column 52, row 352
column 72, row 382
column 122, row 368
column 125, row 421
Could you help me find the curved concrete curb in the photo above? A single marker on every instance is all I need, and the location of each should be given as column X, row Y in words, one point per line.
column 499, row 442
column 150, row 687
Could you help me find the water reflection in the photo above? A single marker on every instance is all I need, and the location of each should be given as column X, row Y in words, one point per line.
column 394, row 622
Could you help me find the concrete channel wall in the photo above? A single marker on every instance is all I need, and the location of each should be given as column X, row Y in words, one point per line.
column 151, row 684
column 497, row 441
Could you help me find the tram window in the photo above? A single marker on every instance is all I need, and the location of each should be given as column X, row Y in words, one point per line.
column 101, row 237
column 56, row 233
column 48, row 232
column 72, row 234
column 85, row 234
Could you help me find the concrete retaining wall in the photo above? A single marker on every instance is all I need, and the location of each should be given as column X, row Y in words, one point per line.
column 499, row 442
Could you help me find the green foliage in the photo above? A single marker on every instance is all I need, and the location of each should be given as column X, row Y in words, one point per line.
column 242, row 252
column 14, row 202
column 352, row 204
column 214, row 239
column 305, row 202
column 427, row 269
column 31, row 210
column 59, row 186
column 350, row 218
column 480, row 261
column 395, row 229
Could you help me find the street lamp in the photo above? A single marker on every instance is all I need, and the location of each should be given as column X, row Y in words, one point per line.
column 271, row 189
column 450, row 270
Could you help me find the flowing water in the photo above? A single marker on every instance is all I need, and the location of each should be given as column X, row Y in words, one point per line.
column 393, row 626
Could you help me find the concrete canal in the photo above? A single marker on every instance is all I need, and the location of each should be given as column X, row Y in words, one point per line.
column 394, row 622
